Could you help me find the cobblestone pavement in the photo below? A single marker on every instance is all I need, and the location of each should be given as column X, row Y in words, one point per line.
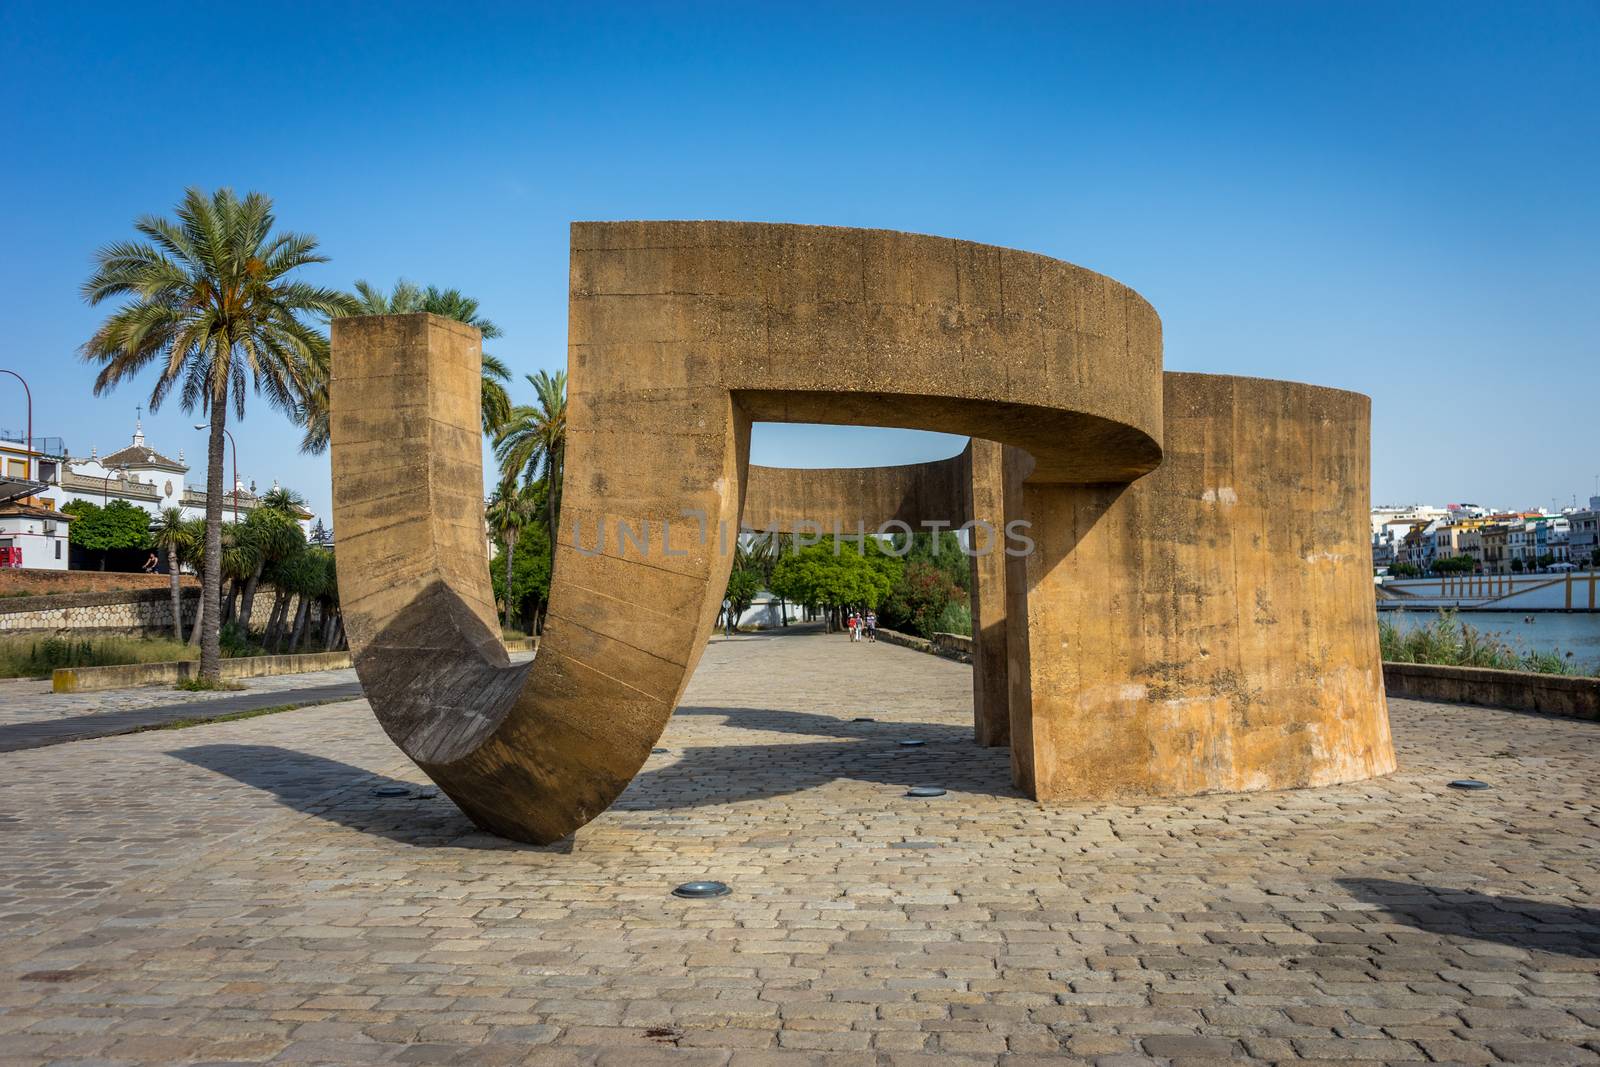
column 31, row 715
column 236, row 893
column 29, row 700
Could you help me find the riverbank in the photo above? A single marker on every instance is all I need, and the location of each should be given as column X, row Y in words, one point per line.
column 1572, row 638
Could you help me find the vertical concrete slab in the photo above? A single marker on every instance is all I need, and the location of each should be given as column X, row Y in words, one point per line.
column 1209, row 627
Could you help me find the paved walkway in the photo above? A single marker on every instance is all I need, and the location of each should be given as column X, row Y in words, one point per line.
column 32, row 716
column 237, row 893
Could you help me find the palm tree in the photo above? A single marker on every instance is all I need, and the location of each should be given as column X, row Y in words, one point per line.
column 213, row 305
column 274, row 535
column 370, row 300
column 509, row 512
column 171, row 534
column 285, row 501
column 533, row 442
column 195, row 534
column 453, row 304
column 406, row 298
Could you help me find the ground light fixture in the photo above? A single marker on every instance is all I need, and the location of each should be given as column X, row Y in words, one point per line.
column 701, row 890
column 863, row 718
column 660, row 751
column 392, row 791
column 912, row 743
column 924, row 791
column 1468, row 783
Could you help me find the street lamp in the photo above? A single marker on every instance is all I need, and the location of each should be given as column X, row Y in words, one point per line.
column 105, row 484
column 204, row 426
column 29, row 394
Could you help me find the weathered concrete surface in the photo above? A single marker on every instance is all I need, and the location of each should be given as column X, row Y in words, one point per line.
column 1173, row 637
column 825, row 500
column 991, row 705
column 1552, row 694
column 1209, row 627
column 679, row 335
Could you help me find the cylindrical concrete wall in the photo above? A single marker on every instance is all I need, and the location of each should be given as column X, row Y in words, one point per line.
column 1211, row 626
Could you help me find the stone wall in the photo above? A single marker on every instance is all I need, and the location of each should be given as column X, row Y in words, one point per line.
column 138, row 611
column 1552, row 694
column 87, row 679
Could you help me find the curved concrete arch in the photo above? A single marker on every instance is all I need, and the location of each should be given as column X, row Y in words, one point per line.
column 679, row 335
column 822, row 499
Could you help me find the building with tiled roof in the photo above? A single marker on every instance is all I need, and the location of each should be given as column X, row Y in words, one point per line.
column 149, row 479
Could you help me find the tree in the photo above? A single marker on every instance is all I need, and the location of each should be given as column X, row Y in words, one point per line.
column 214, row 306
column 171, row 534
column 195, row 531
column 408, row 298
column 1516, row 566
column 273, row 535
column 743, row 585
column 532, row 445
column 118, row 525
column 836, row 575
column 529, row 591
column 510, row 511
column 1405, row 570
column 922, row 596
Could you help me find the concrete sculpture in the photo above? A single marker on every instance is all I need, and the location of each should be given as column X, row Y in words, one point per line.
column 1163, row 638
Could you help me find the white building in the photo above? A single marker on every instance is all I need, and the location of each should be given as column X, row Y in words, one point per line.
column 33, row 536
column 1583, row 534
column 1402, row 516
column 148, row 479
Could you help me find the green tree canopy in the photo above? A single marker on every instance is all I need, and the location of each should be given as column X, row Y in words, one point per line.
column 923, row 596
column 117, row 525
column 852, row 576
column 743, row 585
column 530, row 573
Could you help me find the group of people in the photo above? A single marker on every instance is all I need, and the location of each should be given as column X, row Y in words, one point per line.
column 863, row 627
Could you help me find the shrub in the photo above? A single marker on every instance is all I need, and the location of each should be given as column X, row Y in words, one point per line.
column 1449, row 642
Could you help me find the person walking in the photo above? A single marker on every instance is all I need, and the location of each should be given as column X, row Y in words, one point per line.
column 872, row 626
column 854, row 623
column 727, row 616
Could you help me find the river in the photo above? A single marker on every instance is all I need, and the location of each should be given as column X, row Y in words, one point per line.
column 1550, row 631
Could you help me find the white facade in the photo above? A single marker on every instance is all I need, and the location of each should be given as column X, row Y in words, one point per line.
column 1583, row 534
column 1388, row 515
column 147, row 479
column 40, row 533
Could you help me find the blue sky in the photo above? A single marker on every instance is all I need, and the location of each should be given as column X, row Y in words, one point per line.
column 1395, row 198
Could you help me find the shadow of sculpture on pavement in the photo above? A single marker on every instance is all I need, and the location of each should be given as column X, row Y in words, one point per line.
column 1534, row 925
column 342, row 793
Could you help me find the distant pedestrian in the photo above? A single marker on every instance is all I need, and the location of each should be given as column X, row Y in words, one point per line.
column 872, row 626
column 151, row 564
column 854, row 625
column 727, row 617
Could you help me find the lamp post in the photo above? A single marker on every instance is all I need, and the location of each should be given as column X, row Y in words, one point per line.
column 29, row 394
column 105, row 484
column 203, row 426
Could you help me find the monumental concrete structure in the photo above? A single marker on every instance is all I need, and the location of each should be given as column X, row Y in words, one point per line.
column 1161, row 638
